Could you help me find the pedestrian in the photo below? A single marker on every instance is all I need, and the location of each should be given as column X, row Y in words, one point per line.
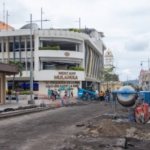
column 9, row 95
column 17, row 96
column 97, row 93
column 49, row 94
column 107, row 95
column 55, row 94
column 101, row 96
column 58, row 94
column 52, row 95
column 87, row 94
column 72, row 93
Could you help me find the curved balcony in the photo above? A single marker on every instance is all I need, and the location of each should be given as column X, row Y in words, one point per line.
column 59, row 54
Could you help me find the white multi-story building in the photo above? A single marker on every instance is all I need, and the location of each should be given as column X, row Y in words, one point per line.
column 52, row 68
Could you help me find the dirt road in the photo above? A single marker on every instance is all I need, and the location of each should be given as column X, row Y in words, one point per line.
column 54, row 129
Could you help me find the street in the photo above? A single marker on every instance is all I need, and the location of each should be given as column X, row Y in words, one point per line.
column 52, row 130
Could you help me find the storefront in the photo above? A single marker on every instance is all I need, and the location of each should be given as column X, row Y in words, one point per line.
column 5, row 69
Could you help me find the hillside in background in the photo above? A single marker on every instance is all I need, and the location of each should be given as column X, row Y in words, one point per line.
column 131, row 81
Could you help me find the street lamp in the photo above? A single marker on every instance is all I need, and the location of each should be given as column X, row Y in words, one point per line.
column 31, row 65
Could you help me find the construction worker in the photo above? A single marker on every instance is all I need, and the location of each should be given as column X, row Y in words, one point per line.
column 101, row 96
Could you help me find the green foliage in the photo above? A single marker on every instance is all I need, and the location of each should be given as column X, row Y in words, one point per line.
column 21, row 93
column 75, row 30
column 24, row 93
column 20, row 69
column 106, row 75
column 50, row 48
column 19, row 66
column 77, row 68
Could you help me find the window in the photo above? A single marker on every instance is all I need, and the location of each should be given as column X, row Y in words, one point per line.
column 23, row 85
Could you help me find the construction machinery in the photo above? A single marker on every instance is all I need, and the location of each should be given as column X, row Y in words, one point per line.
column 86, row 94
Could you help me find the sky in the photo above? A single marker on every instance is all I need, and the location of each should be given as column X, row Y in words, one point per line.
column 125, row 24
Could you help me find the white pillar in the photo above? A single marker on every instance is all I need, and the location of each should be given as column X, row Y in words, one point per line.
column 7, row 49
column 41, row 64
column 2, row 48
column 25, row 46
column 41, row 44
column 76, row 47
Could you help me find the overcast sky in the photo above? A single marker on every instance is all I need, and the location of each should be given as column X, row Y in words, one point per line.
column 125, row 23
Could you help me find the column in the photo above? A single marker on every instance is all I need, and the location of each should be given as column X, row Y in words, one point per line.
column 20, row 48
column 25, row 47
column 7, row 50
column 41, row 64
column 76, row 47
column 14, row 48
column 41, row 44
column 2, row 48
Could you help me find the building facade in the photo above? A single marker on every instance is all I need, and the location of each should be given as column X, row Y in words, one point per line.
column 144, row 80
column 53, row 68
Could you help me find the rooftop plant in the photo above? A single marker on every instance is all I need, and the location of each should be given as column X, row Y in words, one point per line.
column 77, row 68
column 75, row 30
column 50, row 48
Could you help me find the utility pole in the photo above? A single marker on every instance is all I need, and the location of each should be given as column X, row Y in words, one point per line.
column 79, row 23
column 7, row 20
column 41, row 17
column 4, row 13
column 31, row 65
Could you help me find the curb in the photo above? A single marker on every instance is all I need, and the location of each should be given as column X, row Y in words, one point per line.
column 22, row 112
column 34, row 110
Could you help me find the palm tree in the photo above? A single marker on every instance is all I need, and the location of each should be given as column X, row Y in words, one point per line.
column 20, row 69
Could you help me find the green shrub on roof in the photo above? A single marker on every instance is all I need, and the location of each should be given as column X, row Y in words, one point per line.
column 50, row 48
column 77, row 68
column 75, row 30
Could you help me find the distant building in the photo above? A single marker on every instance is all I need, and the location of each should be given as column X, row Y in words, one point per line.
column 109, row 59
column 4, row 26
column 109, row 63
column 144, row 79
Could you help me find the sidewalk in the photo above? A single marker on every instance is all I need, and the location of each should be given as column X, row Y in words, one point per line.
column 15, row 105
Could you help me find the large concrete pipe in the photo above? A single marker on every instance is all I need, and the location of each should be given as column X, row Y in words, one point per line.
column 126, row 96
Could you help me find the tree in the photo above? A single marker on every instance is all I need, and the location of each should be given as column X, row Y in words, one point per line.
column 20, row 69
column 106, row 76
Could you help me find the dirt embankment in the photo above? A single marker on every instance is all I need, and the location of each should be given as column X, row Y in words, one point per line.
column 108, row 128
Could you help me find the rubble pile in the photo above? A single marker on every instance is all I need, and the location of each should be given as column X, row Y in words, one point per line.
column 108, row 128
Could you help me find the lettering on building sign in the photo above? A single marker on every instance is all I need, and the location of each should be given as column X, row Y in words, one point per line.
column 66, row 75
column 58, row 84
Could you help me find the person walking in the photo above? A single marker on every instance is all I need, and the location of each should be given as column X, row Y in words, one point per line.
column 107, row 95
column 97, row 93
column 17, row 96
column 101, row 96
column 72, row 93
column 58, row 94
column 55, row 94
column 49, row 94
column 52, row 95
column 9, row 95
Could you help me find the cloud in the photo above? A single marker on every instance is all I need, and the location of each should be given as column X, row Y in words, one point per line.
column 126, row 71
column 137, row 43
